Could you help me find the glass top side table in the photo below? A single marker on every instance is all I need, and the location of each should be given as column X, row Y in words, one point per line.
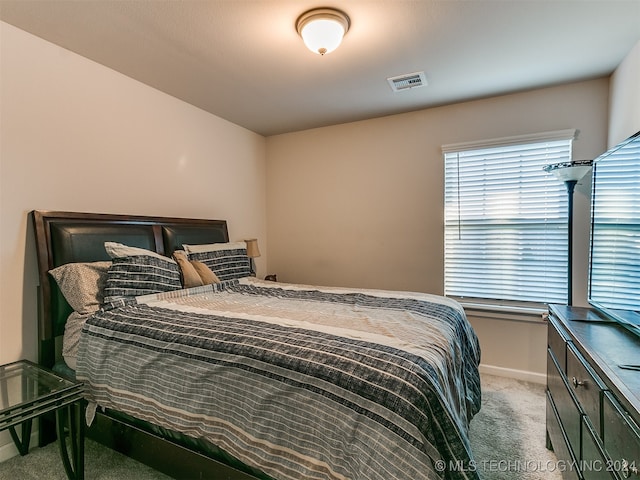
column 28, row 391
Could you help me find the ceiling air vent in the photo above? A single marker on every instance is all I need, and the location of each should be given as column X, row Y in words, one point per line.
column 405, row 82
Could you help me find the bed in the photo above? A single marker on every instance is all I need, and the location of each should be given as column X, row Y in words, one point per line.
column 241, row 378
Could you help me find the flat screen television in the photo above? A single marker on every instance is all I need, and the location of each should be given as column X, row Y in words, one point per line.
column 614, row 262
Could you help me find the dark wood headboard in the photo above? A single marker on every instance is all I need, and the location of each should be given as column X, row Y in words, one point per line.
column 66, row 237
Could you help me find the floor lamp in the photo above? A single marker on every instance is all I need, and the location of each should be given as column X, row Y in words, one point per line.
column 569, row 173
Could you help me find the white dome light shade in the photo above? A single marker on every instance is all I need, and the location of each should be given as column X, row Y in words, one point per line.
column 322, row 29
column 322, row 36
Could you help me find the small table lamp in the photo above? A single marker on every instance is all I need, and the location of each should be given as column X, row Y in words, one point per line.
column 569, row 173
column 252, row 252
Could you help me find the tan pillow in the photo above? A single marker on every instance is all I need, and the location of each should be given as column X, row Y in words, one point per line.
column 207, row 276
column 82, row 284
column 190, row 276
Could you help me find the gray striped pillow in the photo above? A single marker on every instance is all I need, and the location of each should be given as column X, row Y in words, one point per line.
column 140, row 275
column 227, row 260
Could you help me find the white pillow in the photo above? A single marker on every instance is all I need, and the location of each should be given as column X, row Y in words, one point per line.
column 214, row 247
column 118, row 250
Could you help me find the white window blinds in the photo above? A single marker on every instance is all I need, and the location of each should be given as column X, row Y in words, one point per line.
column 506, row 219
column 615, row 243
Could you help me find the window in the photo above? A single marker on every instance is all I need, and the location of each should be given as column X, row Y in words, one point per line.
column 506, row 219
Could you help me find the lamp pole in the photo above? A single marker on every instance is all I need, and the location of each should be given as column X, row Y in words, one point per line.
column 569, row 173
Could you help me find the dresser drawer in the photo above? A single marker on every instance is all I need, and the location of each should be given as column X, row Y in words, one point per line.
column 557, row 340
column 559, row 442
column 594, row 462
column 564, row 402
column 621, row 438
column 586, row 385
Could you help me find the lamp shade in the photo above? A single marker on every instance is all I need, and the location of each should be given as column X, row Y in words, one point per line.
column 322, row 29
column 569, row 171
column 252, row 248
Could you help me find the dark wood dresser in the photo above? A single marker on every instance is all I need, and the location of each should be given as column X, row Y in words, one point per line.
column 593, row 405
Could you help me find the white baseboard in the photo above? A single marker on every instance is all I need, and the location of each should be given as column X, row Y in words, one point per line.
column 9, row 450
column 512, row 373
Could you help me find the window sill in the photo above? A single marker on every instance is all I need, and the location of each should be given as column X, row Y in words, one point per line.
column 533, row 314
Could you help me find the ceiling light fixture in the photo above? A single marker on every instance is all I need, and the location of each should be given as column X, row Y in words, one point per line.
column 322, row 29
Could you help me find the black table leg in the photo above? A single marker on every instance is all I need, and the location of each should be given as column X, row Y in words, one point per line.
column 74, row 464
column 22, row 444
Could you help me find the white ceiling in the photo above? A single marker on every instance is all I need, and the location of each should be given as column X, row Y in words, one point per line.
column 242, row 60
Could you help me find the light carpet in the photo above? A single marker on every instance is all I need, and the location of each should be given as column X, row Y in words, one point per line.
column 508, row 435
column 507, row 438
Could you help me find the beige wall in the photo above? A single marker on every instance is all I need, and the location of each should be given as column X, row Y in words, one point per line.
column 624, row 111
column 77, row 136
column 361, row 204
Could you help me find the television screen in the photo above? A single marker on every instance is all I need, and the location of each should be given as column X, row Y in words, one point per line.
column 614, row 270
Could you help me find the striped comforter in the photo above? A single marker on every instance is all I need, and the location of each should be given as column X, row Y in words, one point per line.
column 300, row 382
